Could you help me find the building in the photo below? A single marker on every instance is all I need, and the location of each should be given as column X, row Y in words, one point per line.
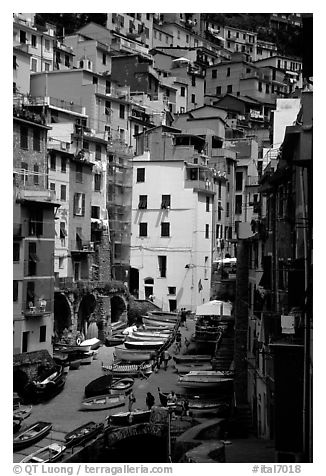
column 242, row 41
column 134, row 26
column 172, row 219
column 34, row 232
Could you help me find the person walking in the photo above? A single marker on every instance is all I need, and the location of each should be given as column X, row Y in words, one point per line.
column 131, row 401
column 150, row 400
column 166, row 358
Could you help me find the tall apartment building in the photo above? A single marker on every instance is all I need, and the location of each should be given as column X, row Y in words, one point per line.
column 33, row 247
column 172, row 219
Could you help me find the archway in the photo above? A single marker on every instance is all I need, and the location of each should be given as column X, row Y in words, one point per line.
column 86, row 308
column 62, row 314
column 118, row 306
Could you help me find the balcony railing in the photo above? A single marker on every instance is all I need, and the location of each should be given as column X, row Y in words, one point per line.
column 81, row 246
column 252, row 181
column 37, row 310
column 202, row 185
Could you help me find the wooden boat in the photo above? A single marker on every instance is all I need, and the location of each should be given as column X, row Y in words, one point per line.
column 102, row 402
column 149, row 334
column 31, row 435
column 163, row 317
column 99, row 386
column 149, row 338
column 133, row 355
column 123, row 385
column 204, row 383
column 48, row 385
column 130, row 418
column 118, row 326
column 21, row 413
column 144, row 345
column 130, row 370
column 48, row 454
column 209, row 374
column 196, row 405
column 149, row 321
column 75, row 364
column 154, row 328
column 83, row 433
column 191, row 358
column 114, row 340
column 90, row 344
column 185, row 368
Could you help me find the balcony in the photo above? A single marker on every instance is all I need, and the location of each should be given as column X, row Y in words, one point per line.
column 252, row 181
column 81, row 246
column 200, row 186
column 36, row 311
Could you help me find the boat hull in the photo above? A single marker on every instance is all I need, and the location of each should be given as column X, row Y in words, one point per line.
column 157, row 323
column 130, row 370
column 83, row 433
column 150, row 338
column 31, row 435
column 48, row 454
column 144, row 345
column 204, row 383
column 130, row 418
column 102, row 402
column 191, row 358
column 133, row 355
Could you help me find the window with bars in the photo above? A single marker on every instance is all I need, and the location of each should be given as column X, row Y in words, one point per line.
column 162, row 262
column 166, row 201
column 165, row 229
column 79, row 204
column 24, row 137
column 142, row 204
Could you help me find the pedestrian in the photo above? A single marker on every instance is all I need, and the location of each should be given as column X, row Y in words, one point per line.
column 183, row 316
column 185, row 408
column 131, row 401
column 150, row 400
column 166, row 358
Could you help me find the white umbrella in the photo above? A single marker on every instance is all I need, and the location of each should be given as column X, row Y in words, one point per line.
column 214, row 308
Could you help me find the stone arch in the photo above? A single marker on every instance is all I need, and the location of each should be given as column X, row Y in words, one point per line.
column 118, row 308
column 63, row 313
column 85, row 311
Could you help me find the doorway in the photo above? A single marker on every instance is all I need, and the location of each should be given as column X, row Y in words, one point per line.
column 25, row 341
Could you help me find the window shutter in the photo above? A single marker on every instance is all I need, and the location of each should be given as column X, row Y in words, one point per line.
column 75, row 203
column 83, row 204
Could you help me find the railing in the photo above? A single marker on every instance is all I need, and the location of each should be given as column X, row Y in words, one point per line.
column 204, row 185
column 38, row 310
column 81, row 246
column 252, row 180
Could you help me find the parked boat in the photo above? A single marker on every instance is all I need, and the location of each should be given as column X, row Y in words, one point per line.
column 183, row 358
column 130, row 418
column 163, row 317
column 118, row 326
column 21, row 413
column 144, row 345
column 209, row 374
column 114, row 340
column 151, row 321
column 149, row 338
column 196, row 405
column 99, row 386
column 102, row 402
column 123, row 385
column 90, row 344
column 204, row 383
column 48, row 454
column 157, row 328
column 149, row 334
column 133, row 355
column 185, row 368
column 31, row 435
column 83, row 433
column 48, row 385
column 130, row 370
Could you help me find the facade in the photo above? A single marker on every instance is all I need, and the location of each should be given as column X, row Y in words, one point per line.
column 134, row 26
column 242, row 41
column 21, row 70
column 170, row 256
column 33, row 246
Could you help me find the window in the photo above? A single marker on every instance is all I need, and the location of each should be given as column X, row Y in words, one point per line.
column 165, row 229
column 32, row 258
column 229, row 34
column 238, row 204
column 229, row 44
column 229, row 168
column 15, row 62
column 166, row 201
column 141, row 175
column 267, row 88
column 142, row 204
column 147, row 32
column 122, row 111
column 182, row 110
column 162, row 266
column 142, row 229
column 207, row 203
column 155, row 33
column 104, row 58
column 15, row 291
column 229, row 89
column 63, row 193
column 166, row 39
column 42, row 333
column 244, row 36
column 95, row 212
column 46, row 66
column 16, row 251
column 67, row 61
column 61, row 262
column 47, row 44
column 107, row 87
column 98, row 152
column 172, row 289
column 227, row 209
column 228, row 71
column 260, row 86
column 22, row 36
column 107, row 108
column 79, row 204
column 52, row 186
column 206, row 231
column 30, row 294
column 218, row 90
column 36, row 222
column 182, row 91
column 220, row 190
column 228, row 187
column 63, row 165
column 63, row 233
column 206, row 268
column 178, row 34
column 193, row 80
column 52, row 162
column 238, row 181
column 34, row 65
column 219, row 211
column 23, row 137
column 193, row 99
column 36, row 174
column 79, row 173
column 95, row 80
column 187, row 38
column 36, row 140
